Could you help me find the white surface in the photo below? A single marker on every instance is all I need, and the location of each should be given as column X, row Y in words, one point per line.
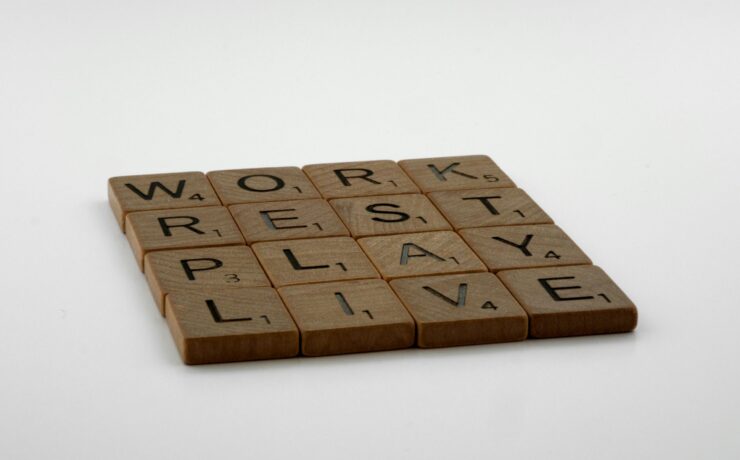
column 620, row 119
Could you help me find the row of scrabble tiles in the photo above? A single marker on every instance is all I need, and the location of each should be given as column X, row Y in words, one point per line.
column 429, row 236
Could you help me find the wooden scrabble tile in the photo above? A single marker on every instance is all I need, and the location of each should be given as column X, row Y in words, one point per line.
column 180, row 229
column 489, row 207
column 390, row 214
column 348, row 317
column 226, row 267
column 417, row 254
column 455, row 173
column 523, row 246
column 360, row 178
column 468, row 309
column 287, row 220
column 567, row 301
column 159, row 191
column 262, row 184
column 216, row 326
column 313, row 261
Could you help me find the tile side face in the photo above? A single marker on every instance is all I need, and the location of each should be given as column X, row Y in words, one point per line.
column 455, row 173
column 569, row 301
column 348, row 317
column 231, row 325
column 360, row 178
column 468, row 309
column 159, row 191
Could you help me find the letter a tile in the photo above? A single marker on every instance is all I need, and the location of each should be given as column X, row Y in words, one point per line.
column 360, row 178
column 417, row 254
column 468, row 309
column 567, row 301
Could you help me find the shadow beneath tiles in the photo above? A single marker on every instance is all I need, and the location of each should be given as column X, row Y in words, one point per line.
column 427, row 356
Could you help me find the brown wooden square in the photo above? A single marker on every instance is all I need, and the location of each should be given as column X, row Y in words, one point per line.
column 231, row 325
column 287, row 220
column 348, row 317
column 455, row 173
column 567, row 301
column 389, row 214
column 262, row 184
column 227, row 267
column 523, row 246
column 468, row 309
column 180, row 229
column 417, row 254
column 313, row 261
column 360, row 178
column 159, row 191
column 489, row 207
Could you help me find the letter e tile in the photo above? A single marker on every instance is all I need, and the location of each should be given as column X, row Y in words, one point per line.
column 568, row 301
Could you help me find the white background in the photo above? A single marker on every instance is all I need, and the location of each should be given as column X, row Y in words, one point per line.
column 619, row 118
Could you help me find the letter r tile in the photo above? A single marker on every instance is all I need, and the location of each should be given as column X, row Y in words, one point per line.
column 360, row 178
column 180, row 229
column 569, row 301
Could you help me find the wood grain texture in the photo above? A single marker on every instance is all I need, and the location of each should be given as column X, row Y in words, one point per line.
column 468, row 309
column 313, row 261
column 418, row 254
column 360, row 178
column 390, row 214
column 287, row 220
column 159, row 191
column 523, row 246
column 227, row 267
column 570, row 301
column 348, row 317
column 231, row 325
column 455, row 173
column 180, row 229
column 489, row 207
column 262, row 184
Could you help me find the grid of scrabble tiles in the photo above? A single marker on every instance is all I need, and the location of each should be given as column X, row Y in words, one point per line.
column 354, row 257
